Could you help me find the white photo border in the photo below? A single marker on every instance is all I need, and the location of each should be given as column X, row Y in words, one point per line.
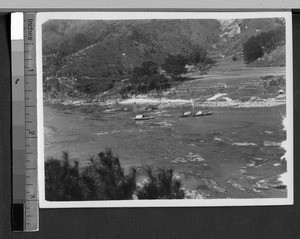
column 288, row 177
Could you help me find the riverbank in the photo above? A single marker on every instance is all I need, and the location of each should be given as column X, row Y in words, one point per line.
column 215, row 101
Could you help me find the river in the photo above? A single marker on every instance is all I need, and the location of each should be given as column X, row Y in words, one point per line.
column 222, row 155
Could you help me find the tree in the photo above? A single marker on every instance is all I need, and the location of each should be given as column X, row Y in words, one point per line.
column 147, row 77
column 174, row 65
column 62, row 180
column 105, row 179
column 198, row 55
column 161, row 185
column 265, row 42
column 150, row 68
column 158, row 82
column 252, row 50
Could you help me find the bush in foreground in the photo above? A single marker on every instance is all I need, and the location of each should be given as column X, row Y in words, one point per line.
column 105, row 179
column 62, row 180
column 161, row 185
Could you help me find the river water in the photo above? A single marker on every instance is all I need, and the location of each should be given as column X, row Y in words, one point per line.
column 233, row 153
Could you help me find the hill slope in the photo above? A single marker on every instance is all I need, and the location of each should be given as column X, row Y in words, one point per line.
column 103, row 49
column 95, row 56
column 236, row 32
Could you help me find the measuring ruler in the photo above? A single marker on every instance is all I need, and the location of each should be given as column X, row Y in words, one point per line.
column 24, row 116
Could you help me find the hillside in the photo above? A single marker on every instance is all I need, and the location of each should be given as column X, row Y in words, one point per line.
column 274, row 58
column 95, row 56
column 57, row 32
column 236, row 32
column 112, row 48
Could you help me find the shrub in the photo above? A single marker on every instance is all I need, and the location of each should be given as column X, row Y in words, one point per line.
column 105, row 179
column 146, row 78
column 161, row 185
column 149, row 68
column 174, row 65
column 252, row 50
column 62, row 180
column 94, row 86
column 198, row 55
column 265, row 42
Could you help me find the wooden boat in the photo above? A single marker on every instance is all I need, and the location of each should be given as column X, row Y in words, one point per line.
column 142, row 117
column 192, row 114
column 197, row 115
column 139, row 116
column 203, row 114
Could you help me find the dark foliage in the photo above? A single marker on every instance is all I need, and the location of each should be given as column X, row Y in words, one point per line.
column 252, row 50
column 148, row 68
column 105, row 179
column 62, row 180
column 174, row 65
column 161, row 185
column 146, row 78
column 94, row 86
column 265, row 42
column 197, row 55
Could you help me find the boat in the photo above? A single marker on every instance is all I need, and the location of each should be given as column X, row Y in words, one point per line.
column 197, row 114
column 140, row 116
column 192, row 114
column 202, row 114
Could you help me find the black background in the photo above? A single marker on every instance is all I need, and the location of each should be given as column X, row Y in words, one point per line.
column 220, row 222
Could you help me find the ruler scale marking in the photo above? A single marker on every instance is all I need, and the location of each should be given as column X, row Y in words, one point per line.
column 31, row 212
column 24, row 79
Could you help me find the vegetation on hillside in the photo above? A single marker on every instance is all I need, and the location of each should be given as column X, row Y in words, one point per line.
column 152, row 76
column 174, row 65
column 105, row 179
column 240, row 30
column 112, row 49
column 256, row 46
column 145, row 78
column 149, row 76
column 102, row 59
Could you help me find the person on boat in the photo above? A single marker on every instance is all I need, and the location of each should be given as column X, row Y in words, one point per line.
column 134, row 108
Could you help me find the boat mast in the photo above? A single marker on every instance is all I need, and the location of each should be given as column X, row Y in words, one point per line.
column 193, row 106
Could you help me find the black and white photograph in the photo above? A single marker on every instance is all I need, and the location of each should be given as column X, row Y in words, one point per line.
column 141, row 109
